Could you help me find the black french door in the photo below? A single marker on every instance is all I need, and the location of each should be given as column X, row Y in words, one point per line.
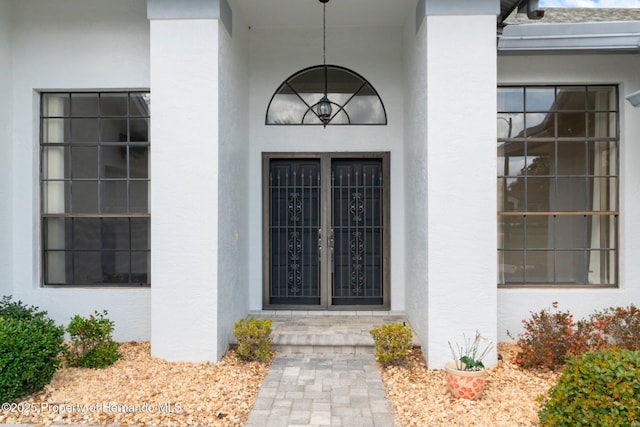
column 326, row 233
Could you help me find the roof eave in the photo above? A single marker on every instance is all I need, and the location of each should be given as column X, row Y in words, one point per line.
column 594, row 37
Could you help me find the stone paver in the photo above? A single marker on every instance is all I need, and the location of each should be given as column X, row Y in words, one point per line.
column 322, row 390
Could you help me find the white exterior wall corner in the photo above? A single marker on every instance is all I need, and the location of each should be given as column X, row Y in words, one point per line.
column 52, row 48
column 461, row 165
column 233, row 202
column 416, row 180
column 184, row 195
column 6, row 164
column 516, row 304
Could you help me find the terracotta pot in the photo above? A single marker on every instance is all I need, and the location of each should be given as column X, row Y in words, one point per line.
column 464, row 384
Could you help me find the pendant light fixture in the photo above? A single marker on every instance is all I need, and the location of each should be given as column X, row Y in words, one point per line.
column 323, row 108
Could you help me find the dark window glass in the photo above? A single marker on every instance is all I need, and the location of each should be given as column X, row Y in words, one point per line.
column 95, row 188
column 353, row 100
column 558, row 185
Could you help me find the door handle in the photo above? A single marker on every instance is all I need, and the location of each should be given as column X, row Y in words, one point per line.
column 319, row 243
column 330, row 240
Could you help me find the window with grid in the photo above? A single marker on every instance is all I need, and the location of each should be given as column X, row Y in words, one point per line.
column 94, row 180
column 558, row 185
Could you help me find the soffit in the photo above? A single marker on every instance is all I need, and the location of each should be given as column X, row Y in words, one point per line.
column 340, row 13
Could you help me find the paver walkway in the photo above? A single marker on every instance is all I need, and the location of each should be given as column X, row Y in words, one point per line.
column 325, row 373
column 316, row 390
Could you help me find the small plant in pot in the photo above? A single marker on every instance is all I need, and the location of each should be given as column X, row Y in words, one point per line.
column 465, row 373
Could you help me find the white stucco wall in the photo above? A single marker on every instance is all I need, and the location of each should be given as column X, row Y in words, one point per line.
column 461, row 162
column 415, row 175
column 66, row 45
column 516, row 304
column 184, row 201
column 375, row 53
column 6, row 249
column 233, row 195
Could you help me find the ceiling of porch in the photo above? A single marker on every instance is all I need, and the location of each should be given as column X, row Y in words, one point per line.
column 308, row 13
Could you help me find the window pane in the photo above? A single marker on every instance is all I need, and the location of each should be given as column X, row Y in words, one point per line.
column 602, row 158
column 139, row 130
column 87, row 268
column 140, row 267
column 55, row 197
column 286, row 109
column 85, row 130
column 572, row 158
column 571, row 98
column 602, row 194
column 115, row 233
column 113, row 130
column 601, row 231
column 539, row 231
column 511, row 229
column 84, row 196
column 540, row 194
column 602, row 267
column 116, row 267
column 511, row 195
column 603, row 125
column 113, row 162
column 84, row 105
column 86, row 234
column 510, row 125
column 57, row 268
column 55, row 162
column 139, row 104
column 55, row 105
column 540, row 125
column 84, row 161
column 511, row 267
column 571, row 232
column 510, row 99
column 113, row 104
column 602, row 98
column 572, row 194
column 540, row 157
column 511, row 158
column 539, row 266
column 139, row 161
column 540, row 98
column 571, row 267
column 572, row 125
column 139, row 202
column 140, row 234
column 55, row 131
column 114, row 197
column 55, row 233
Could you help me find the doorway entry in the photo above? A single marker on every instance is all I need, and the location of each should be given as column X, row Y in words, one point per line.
column 326, row 231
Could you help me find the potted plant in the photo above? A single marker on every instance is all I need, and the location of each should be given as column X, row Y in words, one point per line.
column 466, row 372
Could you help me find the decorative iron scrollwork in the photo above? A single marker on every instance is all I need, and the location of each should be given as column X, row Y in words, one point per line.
column 295, row 207
column 357, row 252
column 294, row 276
column 357, row 206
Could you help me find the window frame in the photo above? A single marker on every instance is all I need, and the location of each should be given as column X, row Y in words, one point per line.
column 613, row 214
column 131, row 213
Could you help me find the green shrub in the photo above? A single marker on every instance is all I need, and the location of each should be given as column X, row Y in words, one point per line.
column 392, row 343
column 596, row 389
column 31, row 343
column 91, row 343
column 254, row 339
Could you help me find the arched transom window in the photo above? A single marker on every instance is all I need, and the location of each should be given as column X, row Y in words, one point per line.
column 353, row 99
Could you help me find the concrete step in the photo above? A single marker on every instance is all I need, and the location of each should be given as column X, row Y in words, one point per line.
column 326, row 333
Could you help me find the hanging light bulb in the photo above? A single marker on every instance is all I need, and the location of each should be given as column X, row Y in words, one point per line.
column 323, row 108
